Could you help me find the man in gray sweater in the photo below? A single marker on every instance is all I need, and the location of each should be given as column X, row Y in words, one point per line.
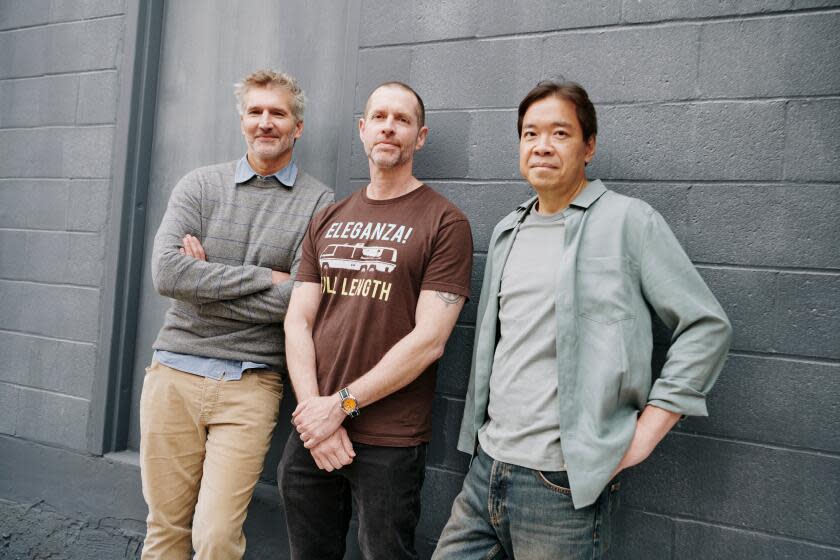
column 226, row 248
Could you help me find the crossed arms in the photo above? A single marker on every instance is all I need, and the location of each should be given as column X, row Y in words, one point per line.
column 318, row 418
column 180, row 270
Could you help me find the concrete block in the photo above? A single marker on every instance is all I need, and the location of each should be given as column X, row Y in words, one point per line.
column 804, row 398
column 403, row 21
column 87, row 152
column 38, row 101
column 23, row 150
column 67, row 47
column 764, row 225
column 665, row 10
column 727, row 141
column 53, row 418
column 9, row 408
column 696, row 541
column 493, row 145
column 56, row 311
column 771, row 57
column 24, row 14
column 25, row 52
column 87, row 208
column 808, row 314
column 98, row 94
column 468, row 74
column 645, row 142
column 639, row 534
column 454, row 368
column 73, row 152
column 637, row 64
column 439, row 491
column 445, row 153
column 408, row 21
column 383, row 23
column 803, row 4
column 13, row 254
column 85, row 45
column 446, row 424
column 786, row 492
column 64, row 258
column 63, row 10
column 54, row 365
column 375, row 66
column 749, row 299
column 485, row 204
column 545, row 15
column 739, row 141
column 670, row 200
column 812, row 140
column 33, row 203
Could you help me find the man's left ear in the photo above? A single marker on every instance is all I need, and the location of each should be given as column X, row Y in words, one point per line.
column 591, row 146
column 421, row 138
column 298, row 129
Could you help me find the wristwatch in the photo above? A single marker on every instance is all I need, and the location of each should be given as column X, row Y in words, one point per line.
column 348, row 403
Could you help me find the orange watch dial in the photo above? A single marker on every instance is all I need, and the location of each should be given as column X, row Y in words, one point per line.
column 348, row 404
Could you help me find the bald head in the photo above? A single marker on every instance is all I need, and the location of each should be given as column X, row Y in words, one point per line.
column 420, row 109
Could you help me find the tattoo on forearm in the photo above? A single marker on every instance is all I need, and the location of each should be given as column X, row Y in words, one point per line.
column 297, row 284
column 449, row 299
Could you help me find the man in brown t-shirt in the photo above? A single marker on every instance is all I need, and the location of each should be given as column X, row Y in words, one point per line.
column 383, row 276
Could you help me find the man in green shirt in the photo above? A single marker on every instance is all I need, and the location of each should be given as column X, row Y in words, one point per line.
column 560, row 398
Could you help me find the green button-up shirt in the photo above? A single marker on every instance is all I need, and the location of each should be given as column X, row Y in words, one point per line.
column 620, row 260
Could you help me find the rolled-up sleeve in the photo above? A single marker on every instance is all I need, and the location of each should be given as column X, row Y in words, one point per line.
column 701, row 330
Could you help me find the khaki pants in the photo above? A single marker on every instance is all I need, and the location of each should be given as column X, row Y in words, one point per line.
column 202, row 447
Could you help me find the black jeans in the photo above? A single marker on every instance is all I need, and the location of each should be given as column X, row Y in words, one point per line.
column 382, row 484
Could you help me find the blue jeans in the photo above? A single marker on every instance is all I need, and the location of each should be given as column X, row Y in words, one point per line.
column 508, row 511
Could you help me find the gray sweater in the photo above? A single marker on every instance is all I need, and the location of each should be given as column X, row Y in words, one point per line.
column 227, row 307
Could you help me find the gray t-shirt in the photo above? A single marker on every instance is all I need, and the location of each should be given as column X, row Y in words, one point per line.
column 523, row 416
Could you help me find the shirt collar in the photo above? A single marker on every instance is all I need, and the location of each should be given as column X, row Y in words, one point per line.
column 286, row 176
column 585, row 198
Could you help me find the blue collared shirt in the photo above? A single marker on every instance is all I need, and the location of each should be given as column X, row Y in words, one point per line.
column 215, row 368
column 286, row 176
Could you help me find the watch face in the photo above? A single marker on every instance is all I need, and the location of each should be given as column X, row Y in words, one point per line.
column 348, row 404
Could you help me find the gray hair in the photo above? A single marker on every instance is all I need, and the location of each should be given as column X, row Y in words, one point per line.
column 270, row 78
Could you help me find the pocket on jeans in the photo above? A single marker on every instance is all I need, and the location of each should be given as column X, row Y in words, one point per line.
column 270, row 381
column 556, row 481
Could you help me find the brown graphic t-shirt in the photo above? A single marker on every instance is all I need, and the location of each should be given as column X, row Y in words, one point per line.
column 372, row 259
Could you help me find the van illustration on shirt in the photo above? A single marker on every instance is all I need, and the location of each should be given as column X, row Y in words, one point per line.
column 358, row 257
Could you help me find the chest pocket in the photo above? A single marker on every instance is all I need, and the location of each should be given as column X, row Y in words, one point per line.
column 604, row 287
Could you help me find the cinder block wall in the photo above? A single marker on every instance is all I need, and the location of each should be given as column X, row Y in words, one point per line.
column 58, row 99
column 725, row 116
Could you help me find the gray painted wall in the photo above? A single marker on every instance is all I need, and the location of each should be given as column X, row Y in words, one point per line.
column 59, row 72
column 725, row 116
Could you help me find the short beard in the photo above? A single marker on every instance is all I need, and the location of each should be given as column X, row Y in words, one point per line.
column 388, row 161
column 285, row 144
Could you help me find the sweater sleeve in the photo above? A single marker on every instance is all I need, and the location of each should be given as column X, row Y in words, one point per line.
column 267, row 306
column 188, row 279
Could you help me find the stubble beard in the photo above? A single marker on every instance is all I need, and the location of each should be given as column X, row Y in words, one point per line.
column 275, row 150
column 388, row 160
